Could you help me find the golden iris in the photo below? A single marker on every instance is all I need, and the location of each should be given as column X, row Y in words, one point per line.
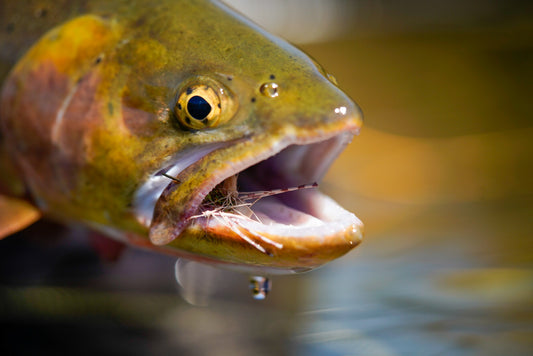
column 203, row 103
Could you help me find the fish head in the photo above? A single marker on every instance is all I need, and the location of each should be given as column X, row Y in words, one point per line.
column 279, row 120
column 178, row 125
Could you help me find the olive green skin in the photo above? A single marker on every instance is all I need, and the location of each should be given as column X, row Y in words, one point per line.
column 111, row 71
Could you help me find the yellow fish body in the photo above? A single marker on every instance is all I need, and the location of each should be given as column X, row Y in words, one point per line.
column 154, row 122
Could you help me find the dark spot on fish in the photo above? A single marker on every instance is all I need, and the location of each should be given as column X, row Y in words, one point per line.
column 140, row 21
column 110, row 108
column 230, row 79
column 187, row 120
column 219, row 106
column 272, row 76
column 179, row 106
column 253, row 100
column 209, row 239
column 189, row 91
column 10, row 27
column 98, row 60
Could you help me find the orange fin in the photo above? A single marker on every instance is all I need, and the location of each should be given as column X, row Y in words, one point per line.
column 15, row 215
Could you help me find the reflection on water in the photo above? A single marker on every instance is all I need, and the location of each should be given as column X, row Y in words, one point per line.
column 441, row 175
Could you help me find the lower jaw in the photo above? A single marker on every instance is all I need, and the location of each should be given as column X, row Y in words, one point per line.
column 229, row 239
column 236, row 255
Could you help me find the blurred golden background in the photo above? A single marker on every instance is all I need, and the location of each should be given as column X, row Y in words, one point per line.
column 441, row 175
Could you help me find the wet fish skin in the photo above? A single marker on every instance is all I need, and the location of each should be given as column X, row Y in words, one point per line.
column 87, row 112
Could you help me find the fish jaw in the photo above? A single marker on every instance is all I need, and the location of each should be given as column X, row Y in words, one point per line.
column 295, row 231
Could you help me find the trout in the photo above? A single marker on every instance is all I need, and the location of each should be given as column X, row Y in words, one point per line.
column 178, row 126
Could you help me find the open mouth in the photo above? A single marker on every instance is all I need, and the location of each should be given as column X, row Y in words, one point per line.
column 272, row 203
column 279, row 196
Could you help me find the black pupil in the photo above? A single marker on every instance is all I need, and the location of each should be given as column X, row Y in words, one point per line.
column 198, row 107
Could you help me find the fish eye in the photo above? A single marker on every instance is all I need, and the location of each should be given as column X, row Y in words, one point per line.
column 203, row 103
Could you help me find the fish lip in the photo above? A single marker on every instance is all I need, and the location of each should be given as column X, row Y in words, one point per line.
column 344, row 234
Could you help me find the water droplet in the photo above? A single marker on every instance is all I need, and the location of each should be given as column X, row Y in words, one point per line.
column 197, row 281
column 260, row 286
column 269, row 89
column 332, row 78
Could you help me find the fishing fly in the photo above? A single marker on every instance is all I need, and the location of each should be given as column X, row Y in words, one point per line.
column 230, row 207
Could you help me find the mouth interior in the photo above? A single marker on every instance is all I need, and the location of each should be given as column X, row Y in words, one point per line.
column 279, row 193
